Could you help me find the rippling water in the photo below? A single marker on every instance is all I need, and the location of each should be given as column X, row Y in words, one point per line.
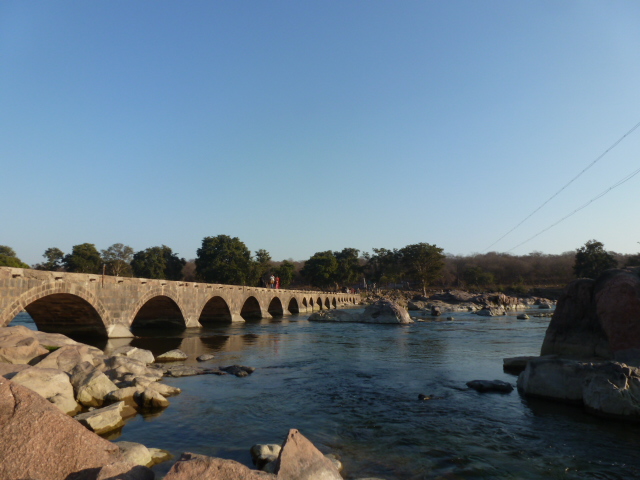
column 353, row 389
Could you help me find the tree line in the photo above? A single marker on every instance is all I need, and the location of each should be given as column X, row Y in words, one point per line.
column 226, row 260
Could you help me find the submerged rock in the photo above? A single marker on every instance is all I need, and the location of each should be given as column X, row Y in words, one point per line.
column 172, row 356
column 238, row 370
column 334, row 316
column 490, row 386
column 205, row 357
column 188, row 370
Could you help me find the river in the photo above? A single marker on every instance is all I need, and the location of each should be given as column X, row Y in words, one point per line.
column 352, row 389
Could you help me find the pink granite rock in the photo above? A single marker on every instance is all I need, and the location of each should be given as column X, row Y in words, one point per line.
column 617, row 299
column 192, row 466
column 300, row 460
column 39, row 441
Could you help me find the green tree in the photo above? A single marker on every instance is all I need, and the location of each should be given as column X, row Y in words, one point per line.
column 349, row 269
column 320, row 270
column 286, row 271
column 8, row 251
column 84, row 258
column 475, row 275
column 158, row 262
column 261, row 266
column 384, row 265
column 226, row 260
column 118, row 259
column 423, row 263
column 8, row 258
column 592, row 259
column 54, row 257
column 633, row 261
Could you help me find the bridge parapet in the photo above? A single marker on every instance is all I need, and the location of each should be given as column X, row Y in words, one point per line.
column 109, row 306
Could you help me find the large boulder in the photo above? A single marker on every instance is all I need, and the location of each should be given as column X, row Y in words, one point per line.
column 118, row 368
column 145, row 356
column 554, row 378
column 148, row 399
column 617, row 306
column 91, row 385
column 120, row 470
column 607, row 388
column 53, row 339
column 135, row 453
column 299, row 459
column 19, row 345
column 102, row 420
column 8, row 370
column 38, row 441
column 575, row 329
column 382, row 311
column 598, row 318
column 52, row 384
column 67, row 357
column 385, row 311
column 192, row 466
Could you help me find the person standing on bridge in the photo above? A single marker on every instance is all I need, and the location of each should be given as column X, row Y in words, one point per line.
column 272, row 281
column 277, row 282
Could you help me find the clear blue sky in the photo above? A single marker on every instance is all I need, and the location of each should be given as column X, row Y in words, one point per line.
column 304, row 126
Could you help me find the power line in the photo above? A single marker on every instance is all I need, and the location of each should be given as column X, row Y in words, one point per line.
column 615, row 185
column 615, row 144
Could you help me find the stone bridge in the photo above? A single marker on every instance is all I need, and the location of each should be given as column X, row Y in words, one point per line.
column 110, row 306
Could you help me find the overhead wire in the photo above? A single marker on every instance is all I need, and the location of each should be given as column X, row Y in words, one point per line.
column 615, row 144
column 602, row 194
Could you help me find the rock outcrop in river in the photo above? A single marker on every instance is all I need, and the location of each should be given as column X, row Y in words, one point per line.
column 487, row 304
column 592, row 347
column 381, row 311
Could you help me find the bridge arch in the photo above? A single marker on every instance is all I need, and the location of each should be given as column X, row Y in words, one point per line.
column 215, row 310
column 59, row 307
column 293, row 306
column 157, row 308
column 275, row 307
column 251, row 309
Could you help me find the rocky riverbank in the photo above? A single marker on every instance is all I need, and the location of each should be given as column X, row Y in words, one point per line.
column 451, row 301
column 57, row 395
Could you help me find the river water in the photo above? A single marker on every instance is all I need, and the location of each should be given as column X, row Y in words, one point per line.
column 352, row 389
